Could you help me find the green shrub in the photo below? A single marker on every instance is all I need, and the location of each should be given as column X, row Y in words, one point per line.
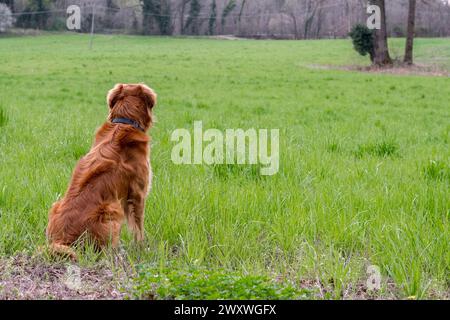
column 362, row 38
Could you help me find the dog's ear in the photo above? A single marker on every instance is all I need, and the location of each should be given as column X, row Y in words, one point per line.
column 113, row 95
column 149, row 95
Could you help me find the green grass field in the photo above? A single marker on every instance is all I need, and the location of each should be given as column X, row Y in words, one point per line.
column 364, row 171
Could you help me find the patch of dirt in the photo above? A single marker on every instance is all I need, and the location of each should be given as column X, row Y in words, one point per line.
column 225, row 37
column 357, row 291
column 32, row 278
column 24, row 277
column 396, row 69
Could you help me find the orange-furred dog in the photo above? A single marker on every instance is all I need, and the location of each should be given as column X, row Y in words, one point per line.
column 111, row 182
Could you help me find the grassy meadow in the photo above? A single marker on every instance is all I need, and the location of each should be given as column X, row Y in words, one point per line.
column 364, row 158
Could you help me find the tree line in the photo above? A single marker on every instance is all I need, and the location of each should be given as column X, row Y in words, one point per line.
column 284, row 19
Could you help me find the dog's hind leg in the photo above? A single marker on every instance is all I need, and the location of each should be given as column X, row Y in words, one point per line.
column 135, row 217
column 106, row 223
column 136, row 207
column 55, row 237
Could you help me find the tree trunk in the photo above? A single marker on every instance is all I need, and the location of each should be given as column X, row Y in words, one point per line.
column 183, row 8
column 294, row 20
column 348, row 17
column 319, row 23
column 310, row 13
column 241, row 11
column 410, row 32
column 381, row 49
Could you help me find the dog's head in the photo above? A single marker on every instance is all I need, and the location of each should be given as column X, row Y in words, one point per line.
column 132, row 101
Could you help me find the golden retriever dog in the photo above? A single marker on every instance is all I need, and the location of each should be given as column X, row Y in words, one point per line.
column 111, row 182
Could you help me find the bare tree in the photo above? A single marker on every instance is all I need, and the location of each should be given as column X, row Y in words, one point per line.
column 241, row 11
column 230, row 6
column 410, row 32
column 319, row 22
column 381, row 49
column 183, row 5
column 310, row 12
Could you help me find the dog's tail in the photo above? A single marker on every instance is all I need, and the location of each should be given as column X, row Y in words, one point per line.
column 63, row 250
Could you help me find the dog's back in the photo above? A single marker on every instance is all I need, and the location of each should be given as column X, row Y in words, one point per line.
column 93, row 204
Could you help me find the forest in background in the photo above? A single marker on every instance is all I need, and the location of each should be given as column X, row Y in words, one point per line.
column 283, row 19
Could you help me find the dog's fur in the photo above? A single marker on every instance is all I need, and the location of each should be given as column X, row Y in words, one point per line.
column 111, row 182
